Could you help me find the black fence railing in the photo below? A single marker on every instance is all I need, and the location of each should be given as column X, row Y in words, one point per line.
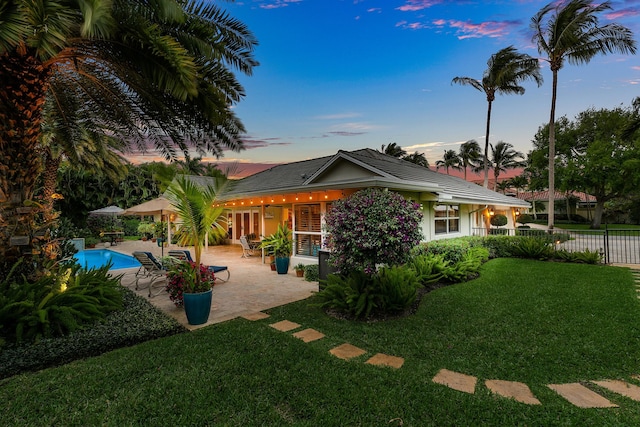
column 618, row 246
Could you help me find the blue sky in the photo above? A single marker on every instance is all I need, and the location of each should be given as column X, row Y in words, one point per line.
column 351, row 74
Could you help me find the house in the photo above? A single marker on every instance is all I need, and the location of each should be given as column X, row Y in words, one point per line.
column 300, row 193
column 569, row 203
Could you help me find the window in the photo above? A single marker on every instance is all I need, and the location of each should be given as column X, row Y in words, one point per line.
column 447, row 219
column 307, row 229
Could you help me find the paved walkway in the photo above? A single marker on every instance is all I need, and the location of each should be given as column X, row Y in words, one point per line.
column 252, row 287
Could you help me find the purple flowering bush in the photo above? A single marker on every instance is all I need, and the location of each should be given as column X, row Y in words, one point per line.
column 372, row 227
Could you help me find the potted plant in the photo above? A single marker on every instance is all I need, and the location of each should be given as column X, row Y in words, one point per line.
column 299, row 270
column 200, row 216
column 181, row 276
column 146, row 229
column 91, row 242
column 280, row 244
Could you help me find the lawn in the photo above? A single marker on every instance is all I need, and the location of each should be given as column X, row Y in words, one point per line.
column 529, row 321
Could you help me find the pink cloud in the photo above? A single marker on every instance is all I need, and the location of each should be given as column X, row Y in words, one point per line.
column 623, row 13
column 415, row 5
column 277, row 4
column 466, row 29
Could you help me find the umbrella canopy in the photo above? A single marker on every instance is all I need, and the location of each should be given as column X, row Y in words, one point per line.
column 109, row 210
column 157, row 206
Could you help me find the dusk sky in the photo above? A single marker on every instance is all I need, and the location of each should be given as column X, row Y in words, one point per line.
column 351, row 74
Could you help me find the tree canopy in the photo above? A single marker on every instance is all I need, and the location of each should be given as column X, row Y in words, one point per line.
column 592, row 156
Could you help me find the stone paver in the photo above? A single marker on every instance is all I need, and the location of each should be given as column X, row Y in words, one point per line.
column 512, row 390
column 309, row 335
column 456, row 381
column 285, row 326
column 386, row 360
column 581, row 396
column 347, row 351
column 255, row 316
column 628, row 390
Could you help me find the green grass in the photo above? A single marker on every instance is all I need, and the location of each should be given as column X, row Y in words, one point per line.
column 528, row 321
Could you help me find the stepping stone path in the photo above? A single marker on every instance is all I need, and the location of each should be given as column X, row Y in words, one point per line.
column 575, row 393
column 581, row 396
column 512, row 390
column 636, row 277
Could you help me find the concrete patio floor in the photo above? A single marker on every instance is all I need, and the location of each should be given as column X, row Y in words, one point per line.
column 252, row 287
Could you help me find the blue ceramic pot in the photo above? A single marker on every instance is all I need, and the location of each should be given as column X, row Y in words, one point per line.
column 282, row 265
column 197, row 307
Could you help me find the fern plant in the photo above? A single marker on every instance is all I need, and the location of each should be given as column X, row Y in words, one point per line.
column 57, row 303
column 532, row 247
column 398, row 288
column 428, row 267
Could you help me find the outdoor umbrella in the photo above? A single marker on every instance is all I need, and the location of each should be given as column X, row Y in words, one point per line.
column 159, row 206
column 113, row 212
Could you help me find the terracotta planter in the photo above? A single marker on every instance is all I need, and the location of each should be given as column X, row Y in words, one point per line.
column 273, row 266
column 300, row 273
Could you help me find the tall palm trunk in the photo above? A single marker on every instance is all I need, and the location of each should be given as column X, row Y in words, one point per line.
column 552, row 150
column 22, row 96
column 486, row 146
column 49, row 182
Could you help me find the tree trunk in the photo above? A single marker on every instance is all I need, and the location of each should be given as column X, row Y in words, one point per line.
column 597, row 214
column 50, row 182
column 552, row 152
column 486, row 147
column 22, row 96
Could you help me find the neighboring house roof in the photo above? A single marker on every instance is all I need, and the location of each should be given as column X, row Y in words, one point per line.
column 361, row 169
column 559, row 195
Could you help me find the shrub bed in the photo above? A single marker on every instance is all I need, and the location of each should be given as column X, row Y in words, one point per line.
column 137, row 322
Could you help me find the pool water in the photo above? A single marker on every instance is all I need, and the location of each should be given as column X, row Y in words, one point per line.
column 96, row 258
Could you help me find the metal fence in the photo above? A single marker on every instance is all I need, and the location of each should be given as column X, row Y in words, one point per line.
column 617, row 246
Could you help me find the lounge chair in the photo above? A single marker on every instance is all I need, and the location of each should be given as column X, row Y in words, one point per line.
column 221, row 273
column 151, row 270
column 248, row 249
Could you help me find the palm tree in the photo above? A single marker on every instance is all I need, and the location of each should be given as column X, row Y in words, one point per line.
column 519, row 182
column 69, row 135
column 199, row 213
column 191, row 165
column 506, row 69
column 393, row 150
column 153, row 73
column 503, row 158
column 417, row 158
column 572, row 34
column 502, row 186
column 449, row 160
column 469, row 155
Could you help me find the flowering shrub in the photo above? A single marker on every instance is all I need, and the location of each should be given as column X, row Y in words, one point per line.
column 372, row 227
column 182, row 275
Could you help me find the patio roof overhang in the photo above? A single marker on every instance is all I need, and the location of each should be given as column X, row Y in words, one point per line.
column 331, row 188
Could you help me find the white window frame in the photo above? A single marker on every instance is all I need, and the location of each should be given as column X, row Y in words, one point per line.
column 450, row 207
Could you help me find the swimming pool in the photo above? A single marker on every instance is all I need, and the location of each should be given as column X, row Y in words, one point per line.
column 96, row 258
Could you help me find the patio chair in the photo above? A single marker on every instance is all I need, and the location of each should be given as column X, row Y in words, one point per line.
column 221, row 273
column 247, row 248
column 152, row 270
